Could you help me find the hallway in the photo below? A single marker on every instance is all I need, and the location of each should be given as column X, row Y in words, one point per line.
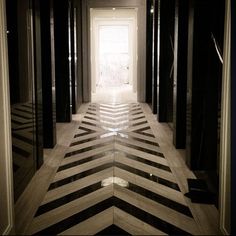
column 116, row 117
column 114, row 170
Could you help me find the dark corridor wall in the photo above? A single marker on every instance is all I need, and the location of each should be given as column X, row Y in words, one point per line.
column 166, row 59
column 206, row 33
column 149, row 51
column 48, row 73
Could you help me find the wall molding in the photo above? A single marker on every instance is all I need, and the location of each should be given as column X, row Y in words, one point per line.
column 6, row 178
column 225, row 152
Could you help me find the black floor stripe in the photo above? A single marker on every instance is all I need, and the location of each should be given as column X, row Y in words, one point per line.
column 160, row 199
column 68, row 198
column 146, row 134
column 148, row 176
column 140, row 148
column 82, row 161
column 86, row 129
column 135, row 171
column 136, row 109
column 139, row 123
column 141, row 131
column 88, row 123
column 137, row 113
column 91, row 113
column 76, row 218
column 145, row 161
column 92, row 109
column 137, row 118
column 139, row 139
column 113, row 230
column 83, row 141
column 81, row 175
column 132, row 187
column 79, row 217
column 82, row 150
column 83, row 134
column 148, row 218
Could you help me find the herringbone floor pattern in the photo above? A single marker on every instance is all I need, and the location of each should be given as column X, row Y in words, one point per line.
column 114, row 178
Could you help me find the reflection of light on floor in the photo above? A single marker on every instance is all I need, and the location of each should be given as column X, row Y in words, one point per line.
column 114, row 180
column 115, row 129
column 114, row 95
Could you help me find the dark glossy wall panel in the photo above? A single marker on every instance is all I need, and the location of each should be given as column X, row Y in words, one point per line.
column 206, row 21
column 149, row 51
column 12, row 38
column 180, row 74
column 166, row 58
column 48, row 74
column 73, row 56
column 38, row 82
column 79, row 70
column 25, row 90
column 204, row 81
column 63, row 83
column 154, row 56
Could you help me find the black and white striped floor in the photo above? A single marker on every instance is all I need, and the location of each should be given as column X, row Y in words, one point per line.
column 114, row 179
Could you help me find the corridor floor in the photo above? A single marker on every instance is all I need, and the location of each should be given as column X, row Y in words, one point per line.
column 114, row 172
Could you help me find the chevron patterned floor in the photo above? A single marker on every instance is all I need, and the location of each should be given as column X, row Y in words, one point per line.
column 114, row 179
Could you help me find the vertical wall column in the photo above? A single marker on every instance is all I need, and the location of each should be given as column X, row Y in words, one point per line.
column 154, row 56
column 203, row 85
column 73, row 56
column 149, row 52
column 166, row 59
column 79, row 52
column 38, row 82
column 205, row 46
column 180, row 73
column 48, row 74
column 63, row 83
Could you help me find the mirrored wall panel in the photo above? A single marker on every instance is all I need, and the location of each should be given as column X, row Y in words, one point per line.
column 21, row 74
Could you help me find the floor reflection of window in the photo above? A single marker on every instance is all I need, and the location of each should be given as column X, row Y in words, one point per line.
column 113, row 56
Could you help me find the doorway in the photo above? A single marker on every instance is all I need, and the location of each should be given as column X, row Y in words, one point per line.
column 113, row 55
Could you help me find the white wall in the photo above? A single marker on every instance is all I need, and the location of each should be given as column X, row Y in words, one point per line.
column 225, row 165
column 6, row 184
